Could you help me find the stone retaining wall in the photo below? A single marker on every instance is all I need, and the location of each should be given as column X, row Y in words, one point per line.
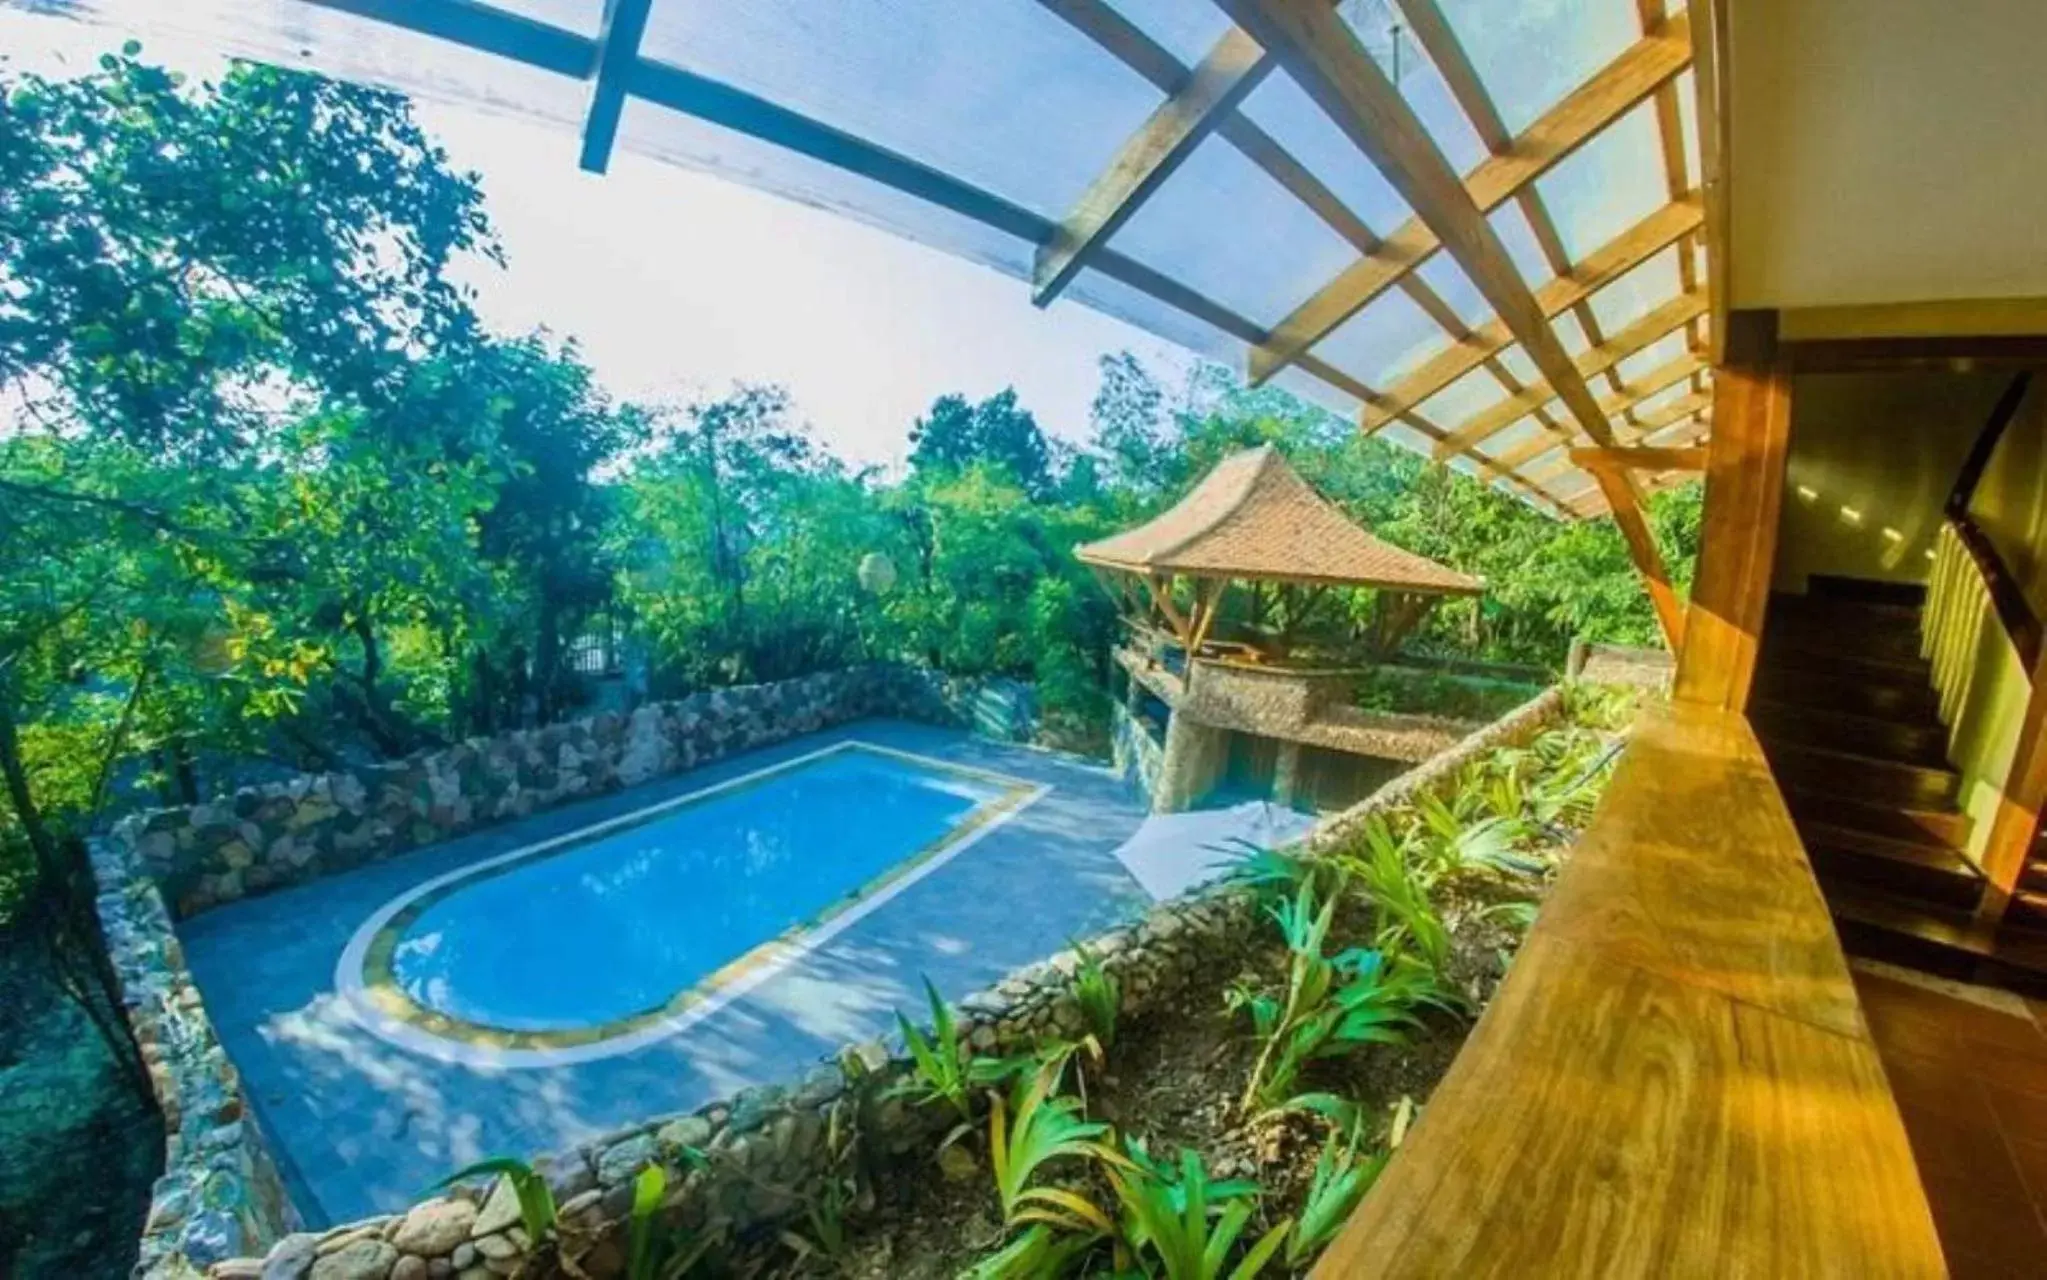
column 219, row 1194
column 764, row 1149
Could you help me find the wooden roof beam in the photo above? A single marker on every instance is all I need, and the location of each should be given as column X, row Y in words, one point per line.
column 1651, row 328
column 618, row 52
column 1324, row 57
column 1232, row 69
column 1642, row 458
column 1661, row 378
column 1607, row 96
column 1605, row 265
column 1439, row 40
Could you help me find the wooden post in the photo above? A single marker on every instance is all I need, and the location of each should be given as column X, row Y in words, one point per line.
column 2015, row 822
column 1623, row 498
column 1738, row 542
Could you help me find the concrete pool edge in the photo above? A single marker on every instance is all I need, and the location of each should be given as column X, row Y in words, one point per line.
column 383, row 1009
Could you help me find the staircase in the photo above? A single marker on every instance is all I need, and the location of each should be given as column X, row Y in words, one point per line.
column 1847, row 714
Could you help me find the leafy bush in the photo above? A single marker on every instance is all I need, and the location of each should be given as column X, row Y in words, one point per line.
column 1401, row 690
column 1185, row 1224
column 1045, row 1128
column 1099, row 996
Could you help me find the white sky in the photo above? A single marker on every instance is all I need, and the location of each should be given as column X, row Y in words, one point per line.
column 676, row 283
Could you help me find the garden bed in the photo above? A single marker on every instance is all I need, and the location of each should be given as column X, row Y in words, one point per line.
column 1174, row 1079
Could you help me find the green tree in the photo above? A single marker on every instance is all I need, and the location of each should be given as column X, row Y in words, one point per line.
column 954, row 435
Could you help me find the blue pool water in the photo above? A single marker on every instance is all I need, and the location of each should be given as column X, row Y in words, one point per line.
column 611, row 927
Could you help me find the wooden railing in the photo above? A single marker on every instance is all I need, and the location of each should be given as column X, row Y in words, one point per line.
column 2014, row 612
column 1969, row 590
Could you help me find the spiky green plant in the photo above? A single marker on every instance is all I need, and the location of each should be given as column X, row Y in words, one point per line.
column 939, row 1072
column 1040, row 1253
column 654, row 1254
column 1393, row 882
column 1027, row 1133
column 1272, row 875
column 536, row 1199
column 1178, row 1229
column 1099, row 996
column 1343, row 1174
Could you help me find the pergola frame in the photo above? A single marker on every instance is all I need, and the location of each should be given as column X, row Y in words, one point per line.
column 1312, row 44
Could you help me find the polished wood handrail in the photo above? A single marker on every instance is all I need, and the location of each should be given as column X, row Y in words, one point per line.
column 1675, row 1078
column 2014, row 612
column 1971, row 474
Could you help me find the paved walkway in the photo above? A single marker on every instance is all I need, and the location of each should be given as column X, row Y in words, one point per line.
column 362, row 1126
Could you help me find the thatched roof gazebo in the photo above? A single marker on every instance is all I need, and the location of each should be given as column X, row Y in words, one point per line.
column 1253, row 521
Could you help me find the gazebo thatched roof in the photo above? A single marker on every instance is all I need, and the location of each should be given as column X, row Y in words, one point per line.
column 1254, row 518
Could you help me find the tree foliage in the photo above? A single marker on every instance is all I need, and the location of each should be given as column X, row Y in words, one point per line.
column 271, row 496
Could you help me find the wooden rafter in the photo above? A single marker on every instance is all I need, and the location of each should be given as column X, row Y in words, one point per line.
column 618, row 50
column 1128, row 43
column 1609, row 263
column 1446, row 51
column 1638, row 336
column 1604, row 98
column 1232, row 69
column 1642, row 458
column 1684, row 410
column 1323, row 56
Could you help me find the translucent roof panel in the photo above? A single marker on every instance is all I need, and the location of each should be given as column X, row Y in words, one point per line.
column 994, row 101
column 1187, row 31
column 1473, row 393
column 1393, row 46
column 685, row 140
column 1279, row 107
column 1637, row 293
column 1442, row 274
column 1517, row 362
column 585, row 17
column 1608, row 185
column 1514, row 437
column 1384, row 340
column 1530, row 55
column 1263, row 276
column 977, row 128
column 1511, row 225
column 1660, row 352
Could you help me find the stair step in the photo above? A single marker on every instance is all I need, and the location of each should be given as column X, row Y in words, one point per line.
column 1853, row 694
column 2034, row 876
column 1908, row 868
column 1909, row 742
column 1942, row 825
column 1875, row 631
column 2027, row 909
column 1862, row 778
column 1788, row 655
column 1865, row 591
column 1886, row 927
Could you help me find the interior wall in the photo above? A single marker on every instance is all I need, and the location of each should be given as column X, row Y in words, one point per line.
column 1872, row 459
column 2011, row 500
column 1884, row 151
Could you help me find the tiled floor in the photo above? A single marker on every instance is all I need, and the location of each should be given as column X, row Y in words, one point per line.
column 362, row 1125
column 1969, row 1069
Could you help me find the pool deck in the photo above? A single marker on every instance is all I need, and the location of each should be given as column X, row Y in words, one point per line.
column 362, row 1126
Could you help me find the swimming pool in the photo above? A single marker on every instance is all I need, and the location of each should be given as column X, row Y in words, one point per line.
column 595, row 942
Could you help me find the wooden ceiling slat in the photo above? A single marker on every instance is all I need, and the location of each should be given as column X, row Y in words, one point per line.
column 1232, row 69
column 1610, row 94
column 1325, row 59
column 1667, row 318
column 1609, row 263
